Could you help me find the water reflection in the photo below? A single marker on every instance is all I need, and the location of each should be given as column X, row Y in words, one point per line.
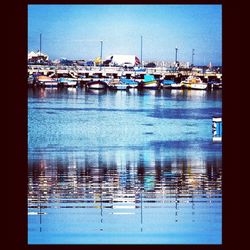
column 185, row 176
column 123, row 167
column 178, row 94
column 178, row 190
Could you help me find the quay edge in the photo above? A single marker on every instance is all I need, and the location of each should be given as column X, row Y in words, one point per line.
column 87, row 73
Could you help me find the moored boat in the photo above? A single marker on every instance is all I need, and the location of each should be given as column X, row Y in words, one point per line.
column 171, row 84
column 96, row 84
column 67, row 82
column 119, row 86
column 46, row 81
column 194, row 82
column 123, row 84
column 129, row 82
column 149, row 82
column 215, row 85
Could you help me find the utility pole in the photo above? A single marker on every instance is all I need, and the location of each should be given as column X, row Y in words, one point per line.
column 176, row 51
column 40, row 50
column 192, row 57
column 101, row 50
column 176, row 62
column 141, row 50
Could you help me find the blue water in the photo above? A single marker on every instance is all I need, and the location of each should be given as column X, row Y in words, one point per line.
column 135, row 167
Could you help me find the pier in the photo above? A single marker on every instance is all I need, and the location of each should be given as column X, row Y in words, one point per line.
column 84, row 74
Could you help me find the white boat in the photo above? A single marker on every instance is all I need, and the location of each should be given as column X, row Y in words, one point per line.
column 194, row 82
column 46, row 81
column 96, row 84
column 67, row 82
column 171, row 84
column 176, row 86
column 198, row 86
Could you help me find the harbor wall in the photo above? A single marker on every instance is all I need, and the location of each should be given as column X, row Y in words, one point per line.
column 87, row 73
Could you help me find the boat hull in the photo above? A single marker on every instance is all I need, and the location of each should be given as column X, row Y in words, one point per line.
column 96, row 85
column 50, row 85
column 198, row 86
column 129, row 82
column 217, row 86
column 70, row 84
column 176, row 86
column 172, row 86
column 45, row 81
column 149, row 85
column 64, row 82
column 193, row 82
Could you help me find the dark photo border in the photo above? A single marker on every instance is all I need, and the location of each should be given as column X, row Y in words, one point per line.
column 17, row 177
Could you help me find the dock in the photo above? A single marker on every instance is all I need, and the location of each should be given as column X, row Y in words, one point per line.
column 85, row 73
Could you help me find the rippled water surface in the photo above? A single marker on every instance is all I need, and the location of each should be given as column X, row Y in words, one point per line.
column 135, row 167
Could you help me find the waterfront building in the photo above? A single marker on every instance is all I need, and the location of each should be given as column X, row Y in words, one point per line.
column 37, row 57
column 124, row 60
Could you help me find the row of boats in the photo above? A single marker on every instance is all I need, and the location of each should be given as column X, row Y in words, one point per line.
column 149, row 82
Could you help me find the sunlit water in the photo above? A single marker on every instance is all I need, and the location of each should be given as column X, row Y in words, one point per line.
column 135, row 167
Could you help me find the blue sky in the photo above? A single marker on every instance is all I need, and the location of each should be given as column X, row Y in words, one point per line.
column 75, row 31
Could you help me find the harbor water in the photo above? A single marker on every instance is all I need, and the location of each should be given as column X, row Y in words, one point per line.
column 123, row 167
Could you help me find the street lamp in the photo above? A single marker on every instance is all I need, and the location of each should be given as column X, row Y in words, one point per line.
column 101, row 49
column 176, row 50
column 40, row 44
column 192, row 57
column 141, row 50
